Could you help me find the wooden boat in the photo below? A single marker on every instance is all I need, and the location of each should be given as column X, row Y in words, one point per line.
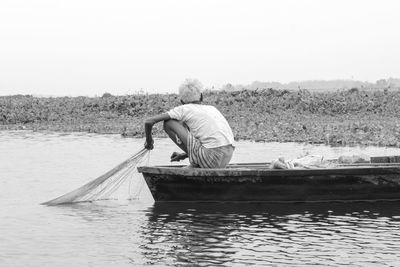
column 257, row 182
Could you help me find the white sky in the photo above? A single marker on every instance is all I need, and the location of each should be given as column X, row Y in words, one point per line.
column 88, row 47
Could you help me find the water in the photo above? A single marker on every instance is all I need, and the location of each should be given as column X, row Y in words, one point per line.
column 36, row 167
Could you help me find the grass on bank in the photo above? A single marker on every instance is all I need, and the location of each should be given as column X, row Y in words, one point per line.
column 346, row 117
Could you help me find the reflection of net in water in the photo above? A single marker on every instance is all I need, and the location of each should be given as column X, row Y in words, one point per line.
column 107, row 184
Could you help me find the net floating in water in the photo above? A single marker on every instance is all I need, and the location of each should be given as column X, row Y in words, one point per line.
column 104, row 186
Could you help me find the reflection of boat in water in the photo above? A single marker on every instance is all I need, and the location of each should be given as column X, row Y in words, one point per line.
column 271, row 234
column 257, row 182
column 169, row 211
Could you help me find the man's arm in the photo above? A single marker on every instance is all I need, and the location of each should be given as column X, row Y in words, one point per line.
column 148, row 126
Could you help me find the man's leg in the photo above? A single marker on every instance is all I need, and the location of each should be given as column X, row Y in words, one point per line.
column 177, row 132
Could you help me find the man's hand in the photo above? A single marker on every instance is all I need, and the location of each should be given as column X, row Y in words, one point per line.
column 148, row 126
column 178, row 156
column 149, row 144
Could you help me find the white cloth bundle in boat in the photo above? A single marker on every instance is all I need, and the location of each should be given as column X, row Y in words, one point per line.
column 307, row 162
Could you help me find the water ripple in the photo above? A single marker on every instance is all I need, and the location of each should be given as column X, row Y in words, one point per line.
column 35, row 167
column 272, row 234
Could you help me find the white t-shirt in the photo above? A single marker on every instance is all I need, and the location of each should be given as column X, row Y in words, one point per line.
column 205, row 123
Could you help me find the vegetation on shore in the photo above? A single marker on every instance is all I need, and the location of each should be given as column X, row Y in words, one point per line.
column 346, row 117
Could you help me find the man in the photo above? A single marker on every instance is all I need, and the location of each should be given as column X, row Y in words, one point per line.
column 201, row 131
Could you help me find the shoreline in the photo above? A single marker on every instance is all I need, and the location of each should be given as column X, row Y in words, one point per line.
column 349, row 117
column 334, row 133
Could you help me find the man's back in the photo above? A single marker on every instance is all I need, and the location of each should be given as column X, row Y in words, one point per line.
column 205, row 123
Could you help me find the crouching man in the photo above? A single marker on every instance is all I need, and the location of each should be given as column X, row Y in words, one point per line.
column 200, row 130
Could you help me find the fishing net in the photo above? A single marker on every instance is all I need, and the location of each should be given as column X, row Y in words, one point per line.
column 107, row 184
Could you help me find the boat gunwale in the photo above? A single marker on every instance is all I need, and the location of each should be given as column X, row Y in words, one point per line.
column 263, row 169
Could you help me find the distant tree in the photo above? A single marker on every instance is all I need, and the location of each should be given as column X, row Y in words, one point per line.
column 381, row 83
column 105, row 95
column 228, row 87
column 354, row 90
column 394, row 82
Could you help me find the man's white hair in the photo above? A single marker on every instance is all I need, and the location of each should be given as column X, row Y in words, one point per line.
column 190, row 90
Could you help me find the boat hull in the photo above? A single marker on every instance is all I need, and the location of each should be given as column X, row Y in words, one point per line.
column 257, row 184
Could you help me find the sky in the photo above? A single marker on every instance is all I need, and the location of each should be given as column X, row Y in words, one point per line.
column 89, row 47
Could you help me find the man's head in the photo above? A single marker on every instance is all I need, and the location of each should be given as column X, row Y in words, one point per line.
column 191, row 91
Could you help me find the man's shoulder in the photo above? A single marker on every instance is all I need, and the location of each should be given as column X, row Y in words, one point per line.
column 195, row 107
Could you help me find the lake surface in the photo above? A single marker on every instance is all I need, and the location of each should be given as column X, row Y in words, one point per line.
column 36, row 167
